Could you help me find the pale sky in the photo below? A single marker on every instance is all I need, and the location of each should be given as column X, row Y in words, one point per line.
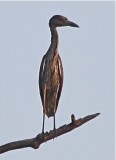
column 88, row 59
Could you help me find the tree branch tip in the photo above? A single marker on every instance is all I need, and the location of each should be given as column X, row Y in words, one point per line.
column 92, row 116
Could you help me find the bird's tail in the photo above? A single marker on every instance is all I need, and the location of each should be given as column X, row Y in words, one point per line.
column 50, row 111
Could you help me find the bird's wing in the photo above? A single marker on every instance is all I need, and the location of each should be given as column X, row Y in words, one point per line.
column 41, row 80
column 60, row 70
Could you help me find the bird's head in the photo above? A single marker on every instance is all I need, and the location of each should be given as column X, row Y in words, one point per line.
column 60, row 21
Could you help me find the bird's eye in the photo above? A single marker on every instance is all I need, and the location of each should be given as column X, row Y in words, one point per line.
column 63, row 19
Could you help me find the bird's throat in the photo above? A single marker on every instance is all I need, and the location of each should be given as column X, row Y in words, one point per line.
column 54, row 39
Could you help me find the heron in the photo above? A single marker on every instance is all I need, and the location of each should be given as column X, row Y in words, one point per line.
column 51, row 71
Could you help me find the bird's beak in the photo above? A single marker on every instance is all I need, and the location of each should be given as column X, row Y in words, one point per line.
column 72, row 24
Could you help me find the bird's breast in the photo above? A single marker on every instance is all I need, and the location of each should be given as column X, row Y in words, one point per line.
column 52, row 71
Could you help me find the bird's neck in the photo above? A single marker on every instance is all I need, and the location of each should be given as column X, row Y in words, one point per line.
column 54, row 40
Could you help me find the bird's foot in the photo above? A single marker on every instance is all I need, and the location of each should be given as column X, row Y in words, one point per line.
column 43, row 135
column 55, row 133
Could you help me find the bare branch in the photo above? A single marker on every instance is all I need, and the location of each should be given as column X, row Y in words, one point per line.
column 39, row 139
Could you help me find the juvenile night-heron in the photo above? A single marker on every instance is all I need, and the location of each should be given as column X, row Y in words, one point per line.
column 51, row 70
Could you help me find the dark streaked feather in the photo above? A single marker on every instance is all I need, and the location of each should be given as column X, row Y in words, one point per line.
column 50, row 75
column 60, row 70
column 41, row 76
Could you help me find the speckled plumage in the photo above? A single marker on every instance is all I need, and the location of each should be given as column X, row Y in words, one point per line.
column 50, row 82
column 51, row 70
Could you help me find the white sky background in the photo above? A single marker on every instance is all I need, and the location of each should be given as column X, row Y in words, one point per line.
column 88, row 58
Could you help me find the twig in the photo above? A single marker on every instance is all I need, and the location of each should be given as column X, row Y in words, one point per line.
column 40, row 138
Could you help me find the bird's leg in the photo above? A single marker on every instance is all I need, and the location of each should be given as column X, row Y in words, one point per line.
column 55, row 109
column 43, row 124
column 44, row 111
column 54, row 123
column 55, row 126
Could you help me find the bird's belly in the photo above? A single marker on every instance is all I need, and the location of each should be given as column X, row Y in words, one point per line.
column 52, row 87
